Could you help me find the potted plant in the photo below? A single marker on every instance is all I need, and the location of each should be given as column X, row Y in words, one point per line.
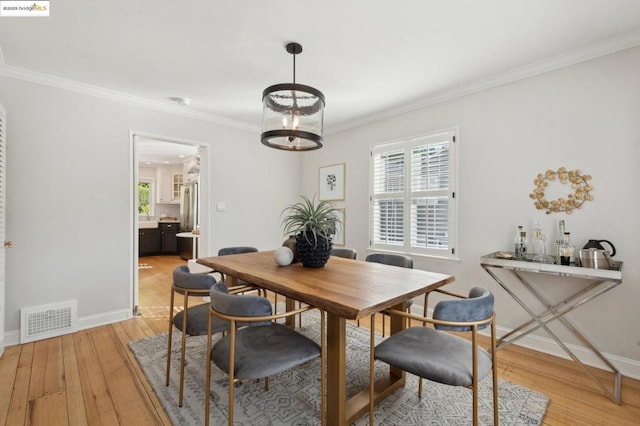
column 312, row 224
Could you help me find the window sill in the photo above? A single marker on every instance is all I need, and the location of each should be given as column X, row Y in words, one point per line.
column 415, row 255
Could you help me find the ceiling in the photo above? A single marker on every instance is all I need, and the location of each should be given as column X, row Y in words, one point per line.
column 154, row 152
column 370, row 58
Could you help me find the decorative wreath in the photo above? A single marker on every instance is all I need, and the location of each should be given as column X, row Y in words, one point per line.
column 579, row 183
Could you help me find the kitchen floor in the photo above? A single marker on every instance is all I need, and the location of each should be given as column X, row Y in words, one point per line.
column 154, row 285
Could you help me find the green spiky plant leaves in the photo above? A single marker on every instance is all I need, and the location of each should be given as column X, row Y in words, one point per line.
column 313, row 220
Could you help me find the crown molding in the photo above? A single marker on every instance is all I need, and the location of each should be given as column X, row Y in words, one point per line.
column 112, row 95
column 606, row 47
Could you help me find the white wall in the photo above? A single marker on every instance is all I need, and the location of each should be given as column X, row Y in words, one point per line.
column 585, row 117
column 69, row 202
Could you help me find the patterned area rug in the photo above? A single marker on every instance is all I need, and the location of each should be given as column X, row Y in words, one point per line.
column 293, row 397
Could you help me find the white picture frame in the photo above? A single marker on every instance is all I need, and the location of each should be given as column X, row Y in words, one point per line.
column 332, row 182
column 338, row 237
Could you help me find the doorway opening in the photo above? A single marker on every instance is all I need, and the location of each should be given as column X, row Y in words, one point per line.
column 165, row 170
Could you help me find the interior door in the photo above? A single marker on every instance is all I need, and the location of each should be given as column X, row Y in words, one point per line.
column 3, row 215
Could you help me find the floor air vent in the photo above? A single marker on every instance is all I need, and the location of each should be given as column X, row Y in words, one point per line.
column 42, row 322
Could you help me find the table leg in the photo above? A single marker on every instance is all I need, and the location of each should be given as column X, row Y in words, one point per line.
column 336, row 368
column 290, row 305
column 341, row 411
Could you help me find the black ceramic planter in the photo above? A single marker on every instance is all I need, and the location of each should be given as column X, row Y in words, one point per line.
column 310, row 254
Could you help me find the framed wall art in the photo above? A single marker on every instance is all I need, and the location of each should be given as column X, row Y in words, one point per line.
column 332, row 182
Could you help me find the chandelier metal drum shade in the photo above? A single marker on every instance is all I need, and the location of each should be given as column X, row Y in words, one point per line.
column 292, row 114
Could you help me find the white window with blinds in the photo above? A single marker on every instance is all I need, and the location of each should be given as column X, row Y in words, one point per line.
column 413, row 195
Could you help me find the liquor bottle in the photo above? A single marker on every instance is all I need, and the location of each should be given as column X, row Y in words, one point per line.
column 520, row 243
column 559, row 238
column 566, row 250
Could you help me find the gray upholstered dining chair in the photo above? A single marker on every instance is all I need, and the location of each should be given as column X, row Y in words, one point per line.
column 393, row 259
column 256, row 346
column 347, row 253
column 226, row 251
column 191, row 320
column 437, row 355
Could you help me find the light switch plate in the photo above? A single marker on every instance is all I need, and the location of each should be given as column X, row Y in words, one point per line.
column 221, row 206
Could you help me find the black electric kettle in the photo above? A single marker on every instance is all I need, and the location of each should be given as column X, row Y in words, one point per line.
column 596, row 245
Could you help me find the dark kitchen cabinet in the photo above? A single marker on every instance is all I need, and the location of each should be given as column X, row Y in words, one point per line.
column 149, row 242
column 169, row 243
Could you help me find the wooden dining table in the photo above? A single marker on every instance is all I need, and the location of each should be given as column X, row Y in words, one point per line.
column 347, row 290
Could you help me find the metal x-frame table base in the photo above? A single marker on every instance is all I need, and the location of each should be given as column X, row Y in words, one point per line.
column 557, row 311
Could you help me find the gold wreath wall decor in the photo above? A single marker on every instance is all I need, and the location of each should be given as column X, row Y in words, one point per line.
column 579, row 182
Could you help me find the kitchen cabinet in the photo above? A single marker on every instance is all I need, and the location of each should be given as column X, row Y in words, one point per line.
column 160, row 240
column 149, row 242
column 169, row 182
column 169, row 240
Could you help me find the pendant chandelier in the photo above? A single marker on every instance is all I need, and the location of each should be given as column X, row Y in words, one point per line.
column 292, row 114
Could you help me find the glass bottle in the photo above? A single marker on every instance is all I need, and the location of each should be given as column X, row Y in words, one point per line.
column 542, row 256
column 520, row 243
column 566, row 250
column 537, row 239
column 559, row 238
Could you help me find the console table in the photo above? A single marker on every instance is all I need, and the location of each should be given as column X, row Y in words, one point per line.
column 597, row 282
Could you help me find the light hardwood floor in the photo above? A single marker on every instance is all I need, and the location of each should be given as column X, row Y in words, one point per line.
column 91, row 377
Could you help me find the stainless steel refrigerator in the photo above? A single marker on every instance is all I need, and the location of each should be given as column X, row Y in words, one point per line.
column 189, row 218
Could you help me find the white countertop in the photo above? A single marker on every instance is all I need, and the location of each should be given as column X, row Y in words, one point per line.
column 187, row 235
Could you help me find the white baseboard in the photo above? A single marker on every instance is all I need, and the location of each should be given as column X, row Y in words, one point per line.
column 12, row 337
column 103, row 318
column 627, row 367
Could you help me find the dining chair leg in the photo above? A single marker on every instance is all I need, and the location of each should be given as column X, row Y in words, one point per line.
column 170, row 337
column 371, row 365
column 207, row 393
column 425, row 309
column 495, row 374
column 183, row 348
column 232, row 367
column 475, row 404
column 474, row 352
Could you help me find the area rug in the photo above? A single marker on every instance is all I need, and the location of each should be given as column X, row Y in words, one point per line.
column 293, row 397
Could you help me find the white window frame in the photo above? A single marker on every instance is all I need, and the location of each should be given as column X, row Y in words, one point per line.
column 408, row 195
column 152, row 197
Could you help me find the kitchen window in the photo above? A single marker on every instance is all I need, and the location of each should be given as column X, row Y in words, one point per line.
column 146, row 200
column 413, row 196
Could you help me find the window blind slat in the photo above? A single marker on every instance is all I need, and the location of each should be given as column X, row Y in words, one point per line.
column 430, row 167
column 411, row 204
column 430, row 223
column 388, row 174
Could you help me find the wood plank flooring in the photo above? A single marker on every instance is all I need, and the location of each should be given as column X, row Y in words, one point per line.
column 91, row 378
